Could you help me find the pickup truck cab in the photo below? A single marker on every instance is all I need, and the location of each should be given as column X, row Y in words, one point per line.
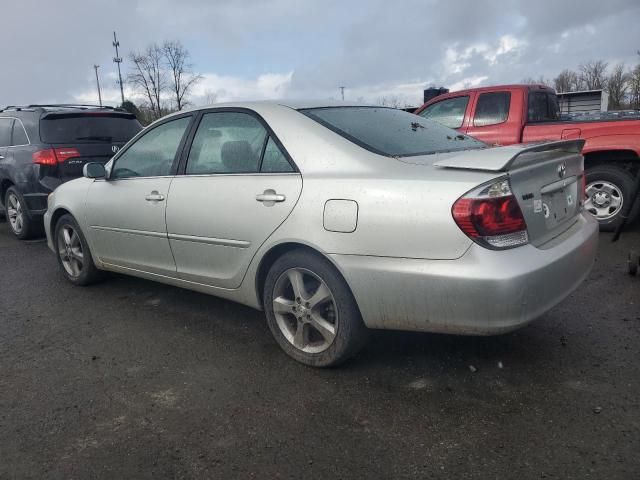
column 509, row 114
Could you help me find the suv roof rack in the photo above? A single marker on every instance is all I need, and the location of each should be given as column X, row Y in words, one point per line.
column 79, row 106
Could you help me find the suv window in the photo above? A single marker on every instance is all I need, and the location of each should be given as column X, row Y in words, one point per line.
column 492, row 108
column 5, row 131
column 88, row 127
column 391, row 132
column 449, row 112
column 152, row 154
column 227, row 142
column 543, row 107
column 19, row 135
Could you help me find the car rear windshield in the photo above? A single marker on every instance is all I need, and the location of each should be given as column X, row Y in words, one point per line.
column 88, row 128
column 391, row 132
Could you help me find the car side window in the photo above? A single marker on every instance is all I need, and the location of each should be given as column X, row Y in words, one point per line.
column 19, row 135
column 226, row 142
column 492, row 108
column 152, row 155
column 5, row 131
column 274, row 161
column 449, row 112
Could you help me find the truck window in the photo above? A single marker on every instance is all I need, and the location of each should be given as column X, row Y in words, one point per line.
column 492, row 108
column 543, row 107
column 449, row 112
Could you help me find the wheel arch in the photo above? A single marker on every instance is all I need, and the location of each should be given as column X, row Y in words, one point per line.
column 280, row 249
column 55, row 216
column 624, row 158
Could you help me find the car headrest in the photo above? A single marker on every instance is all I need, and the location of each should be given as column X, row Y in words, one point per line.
column 237, row 156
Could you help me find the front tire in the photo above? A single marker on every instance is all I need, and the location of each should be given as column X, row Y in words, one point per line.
column 20, row 223
column 74, row 256
column 310, row 310
column 608, row 194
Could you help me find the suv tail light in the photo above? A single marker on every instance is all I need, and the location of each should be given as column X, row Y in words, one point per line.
column 53, row 156
column 490, row 216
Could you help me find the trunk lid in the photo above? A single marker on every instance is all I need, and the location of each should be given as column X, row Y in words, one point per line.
column 545, row 178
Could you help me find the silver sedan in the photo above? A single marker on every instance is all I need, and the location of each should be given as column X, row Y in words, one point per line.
column 334, row 219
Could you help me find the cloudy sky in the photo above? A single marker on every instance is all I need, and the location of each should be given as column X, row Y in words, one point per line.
column 253, row 49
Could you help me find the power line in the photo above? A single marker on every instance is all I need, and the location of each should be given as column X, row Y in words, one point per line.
column 118, row 60
column 95, row 67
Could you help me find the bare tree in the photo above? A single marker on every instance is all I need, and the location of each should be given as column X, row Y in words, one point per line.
column 617, row 84
column 182, row 79
column 393, row 101
column 149, row 76
column 634, row 87
column 594, row 74
column 537, row 81
column 566, row 81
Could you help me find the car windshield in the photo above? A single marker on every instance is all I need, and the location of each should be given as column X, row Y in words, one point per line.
column 391, row 132
column 88, row 128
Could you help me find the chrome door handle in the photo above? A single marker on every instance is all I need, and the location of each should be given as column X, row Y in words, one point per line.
column 270, row 197
column 1, row 157
column 154, row 197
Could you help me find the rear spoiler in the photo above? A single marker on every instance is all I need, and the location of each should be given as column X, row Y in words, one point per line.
column 503, row 159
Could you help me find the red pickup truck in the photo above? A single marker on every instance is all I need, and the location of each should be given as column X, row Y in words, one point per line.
column 508, row 114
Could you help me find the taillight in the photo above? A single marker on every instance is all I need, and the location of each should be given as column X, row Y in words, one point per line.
column 53, row 156
column 490, row 216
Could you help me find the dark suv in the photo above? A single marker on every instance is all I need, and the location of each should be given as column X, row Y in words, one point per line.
column 42, row 146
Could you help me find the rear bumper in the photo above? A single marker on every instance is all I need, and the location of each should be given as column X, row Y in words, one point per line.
column 482, row 293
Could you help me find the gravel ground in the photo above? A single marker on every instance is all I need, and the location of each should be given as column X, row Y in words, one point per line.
column 132, row 379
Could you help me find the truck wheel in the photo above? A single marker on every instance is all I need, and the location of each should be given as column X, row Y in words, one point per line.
column 608, row 195
column 21, row 225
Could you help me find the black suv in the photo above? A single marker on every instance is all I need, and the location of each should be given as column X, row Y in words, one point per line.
column 42, row 146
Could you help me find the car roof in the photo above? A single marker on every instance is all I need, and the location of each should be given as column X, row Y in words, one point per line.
column 294, row 104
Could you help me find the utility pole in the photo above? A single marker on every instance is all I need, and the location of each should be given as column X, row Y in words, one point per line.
column 118, row 60
column 95, row 67
column 342, row 91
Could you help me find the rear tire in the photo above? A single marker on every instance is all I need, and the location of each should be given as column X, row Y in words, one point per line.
column 20, row 223
column 311, row 311
column 608, row 186
column 74, row 255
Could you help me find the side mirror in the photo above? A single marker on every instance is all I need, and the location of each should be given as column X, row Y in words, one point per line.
column 94, row 170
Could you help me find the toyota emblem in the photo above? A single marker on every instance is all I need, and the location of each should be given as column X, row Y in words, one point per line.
column 562, row 170
column 115, row 148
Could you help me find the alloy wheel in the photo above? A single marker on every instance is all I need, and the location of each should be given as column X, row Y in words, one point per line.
column 15, row 213
column 70, row 250
column 604, row 200
column 305, row 310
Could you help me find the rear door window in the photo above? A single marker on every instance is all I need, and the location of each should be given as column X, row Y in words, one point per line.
column 88, row 128
column 449, row 112
column 492, row 108
column 543, row 107
column 5, row 131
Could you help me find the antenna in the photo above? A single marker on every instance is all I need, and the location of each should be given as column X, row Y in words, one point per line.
column 118, row 60
column 95, row 67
